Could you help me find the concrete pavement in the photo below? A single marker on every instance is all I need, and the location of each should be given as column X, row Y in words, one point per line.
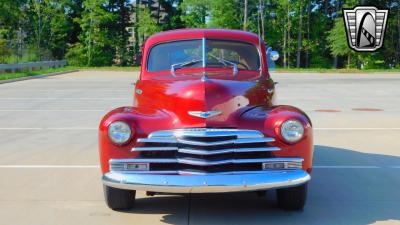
column 49, row 160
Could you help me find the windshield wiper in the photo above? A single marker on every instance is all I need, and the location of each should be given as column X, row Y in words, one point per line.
column 225, row 62
column 183, row 64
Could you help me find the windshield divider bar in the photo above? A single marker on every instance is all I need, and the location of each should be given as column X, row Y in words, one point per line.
column 204, row 51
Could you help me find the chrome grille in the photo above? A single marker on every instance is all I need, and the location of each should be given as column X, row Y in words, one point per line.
column 205, row 150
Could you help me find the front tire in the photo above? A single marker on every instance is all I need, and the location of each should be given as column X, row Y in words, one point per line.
column 293, row 198
column 119, row 199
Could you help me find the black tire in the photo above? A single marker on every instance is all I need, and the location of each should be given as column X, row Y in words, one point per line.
column 119, row 199
column 293, row 198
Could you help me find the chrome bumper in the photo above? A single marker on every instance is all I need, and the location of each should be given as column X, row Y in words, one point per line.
column 210, row 183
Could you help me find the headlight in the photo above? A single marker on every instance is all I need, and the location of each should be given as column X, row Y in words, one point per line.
column 119, row 132
column 292, row 130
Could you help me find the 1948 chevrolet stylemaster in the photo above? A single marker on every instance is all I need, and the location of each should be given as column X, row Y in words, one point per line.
column 204, row 121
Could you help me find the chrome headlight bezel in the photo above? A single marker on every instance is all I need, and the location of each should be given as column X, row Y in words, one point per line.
column 119, row 132
column 292, row 131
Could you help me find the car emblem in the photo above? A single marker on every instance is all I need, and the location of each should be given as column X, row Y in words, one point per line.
column 365, row 27
column 204, row 114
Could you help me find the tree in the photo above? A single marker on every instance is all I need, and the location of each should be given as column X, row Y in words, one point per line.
column 171, row 15
column 337, row 41
column 98, row 48
column 59, row 28
column 39, row 13
column 262, row 16
column 299, row 35
column 245, row 15
column 225, row 14
column 195, row 12
column 287, row 36
column 48, row 27
column 4, row 50
column 308, row 43
column 121, row 10
column 147, row 24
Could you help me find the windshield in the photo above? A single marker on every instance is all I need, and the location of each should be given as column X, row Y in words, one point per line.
column 189, row 54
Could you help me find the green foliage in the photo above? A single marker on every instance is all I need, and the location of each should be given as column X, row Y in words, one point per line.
column 337, row 39
column 374, row 63
column 121, row 10
column 76, row 55
column 147, row 25
column 110, row 32
column 195, row 12
column 97, row 46
column 226, row 14
column 5, row 51
column 5, row 76
column 48, row 27
column 10, row 14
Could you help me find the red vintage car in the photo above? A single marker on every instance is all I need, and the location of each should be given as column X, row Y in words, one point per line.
column 204, row 120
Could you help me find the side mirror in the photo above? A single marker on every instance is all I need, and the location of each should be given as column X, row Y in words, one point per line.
column 274, row 55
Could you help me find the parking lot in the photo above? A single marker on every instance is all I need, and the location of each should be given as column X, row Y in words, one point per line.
column 49, row 161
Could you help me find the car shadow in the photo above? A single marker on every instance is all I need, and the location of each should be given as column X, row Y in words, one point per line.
column 359, row 196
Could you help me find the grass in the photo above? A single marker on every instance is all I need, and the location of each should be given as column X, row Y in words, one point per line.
column 6, row 76
column 112, row 68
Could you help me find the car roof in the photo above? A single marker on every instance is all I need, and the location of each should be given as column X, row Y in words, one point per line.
column 182, row 34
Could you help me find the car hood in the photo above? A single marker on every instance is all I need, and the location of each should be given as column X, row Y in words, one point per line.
column 185, row 96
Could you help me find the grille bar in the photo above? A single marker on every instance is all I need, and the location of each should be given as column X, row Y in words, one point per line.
column 157, row 140
column 201, row 143
column 142, row 149
column 224, row 151
column 197, row 162
column 237, row 141
column 206, row 152
column 207, row 132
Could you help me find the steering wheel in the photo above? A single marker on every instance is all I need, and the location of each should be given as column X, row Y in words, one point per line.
column 236, row 62
column 241, row 64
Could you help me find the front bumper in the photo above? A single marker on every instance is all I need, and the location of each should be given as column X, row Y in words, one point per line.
column 210, row 183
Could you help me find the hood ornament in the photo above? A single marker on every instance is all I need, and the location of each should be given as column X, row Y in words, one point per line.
column 204, row 115
column 204, row 78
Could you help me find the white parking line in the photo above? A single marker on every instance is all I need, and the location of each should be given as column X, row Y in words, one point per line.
column 49, row 166
column 71, row 128
column 21, row 128
column 65, row 99
column 65, row 90
column 348, row 167
column 356, row 128
column 52, row 110
column 48, row 128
